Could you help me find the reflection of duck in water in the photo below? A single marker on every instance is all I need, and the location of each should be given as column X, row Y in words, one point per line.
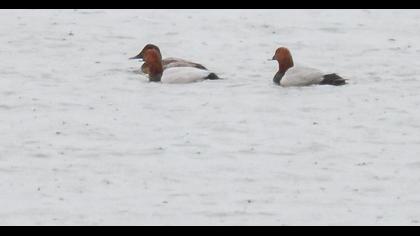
column 167, row 62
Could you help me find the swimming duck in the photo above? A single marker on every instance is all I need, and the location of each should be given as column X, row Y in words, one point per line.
column 173, row 75
column 291, row 75
column 167, row 62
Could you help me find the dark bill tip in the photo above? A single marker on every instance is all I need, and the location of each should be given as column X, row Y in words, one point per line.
column 140, row 57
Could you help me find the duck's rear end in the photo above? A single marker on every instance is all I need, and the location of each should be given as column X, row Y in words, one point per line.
column 333, row 79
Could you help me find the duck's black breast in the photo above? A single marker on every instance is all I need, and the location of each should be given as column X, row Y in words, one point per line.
column 277, row 78
column 155, row 78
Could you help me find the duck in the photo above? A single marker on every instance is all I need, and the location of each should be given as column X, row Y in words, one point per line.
column 290, row 75
column 167, row 62
column 173, row 75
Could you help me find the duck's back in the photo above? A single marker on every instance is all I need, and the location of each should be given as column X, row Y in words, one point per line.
column 181, row 75
column 177, row 62
column 301, row 76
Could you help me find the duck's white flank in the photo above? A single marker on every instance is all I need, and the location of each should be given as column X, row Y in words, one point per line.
column 182, row 75
column 301, row 76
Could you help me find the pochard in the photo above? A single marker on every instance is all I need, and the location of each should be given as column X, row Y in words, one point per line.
column 290, row 75
column 173, row 75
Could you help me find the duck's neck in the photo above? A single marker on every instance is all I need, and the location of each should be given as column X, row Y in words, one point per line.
column 155, row 71
column 283, row 67
column 277, row 78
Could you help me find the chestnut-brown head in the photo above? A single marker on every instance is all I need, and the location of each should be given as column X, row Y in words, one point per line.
column 284, row 58
column 153, row 60
column 147, row 47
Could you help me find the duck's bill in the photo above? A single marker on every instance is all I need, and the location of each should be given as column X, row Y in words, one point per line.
column 140, row 57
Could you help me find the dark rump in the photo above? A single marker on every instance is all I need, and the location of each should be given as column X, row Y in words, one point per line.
column 333, row 79
column 212, row 76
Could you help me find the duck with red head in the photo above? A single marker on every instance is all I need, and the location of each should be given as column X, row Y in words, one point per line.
column 154, row 61
column 290, row 75
column 167, row 62
column 173, row 75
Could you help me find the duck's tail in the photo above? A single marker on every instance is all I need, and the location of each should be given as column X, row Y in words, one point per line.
column 212, row 76
column 333, row 79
